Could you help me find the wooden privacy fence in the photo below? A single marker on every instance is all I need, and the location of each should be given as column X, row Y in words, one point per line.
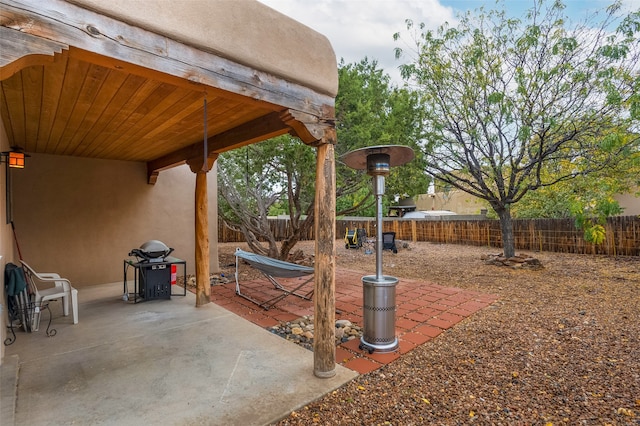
column 554, row 235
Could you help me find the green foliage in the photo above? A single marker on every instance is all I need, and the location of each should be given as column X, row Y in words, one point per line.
column 588, row 198
column 514, row 106
column 371, row 111
column 252, row 177
column 594, row 234
column 591, row 192
column 278, row 176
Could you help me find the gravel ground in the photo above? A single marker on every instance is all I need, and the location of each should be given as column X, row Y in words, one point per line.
column 560, row 346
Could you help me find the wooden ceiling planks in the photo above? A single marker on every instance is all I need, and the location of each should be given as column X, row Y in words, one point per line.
column 146, row 107
column 52, row 87
column 72, row 107
column 126, row 101
column 95, row 114
column 91, row 85
column 71, row 90
column 162, row 130
column 32, row 77
column 106, row 127
column 13, row 109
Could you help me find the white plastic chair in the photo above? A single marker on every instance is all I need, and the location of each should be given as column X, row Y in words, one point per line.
column 61, row 289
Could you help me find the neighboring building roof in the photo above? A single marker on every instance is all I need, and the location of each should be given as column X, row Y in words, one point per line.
column 421, row 214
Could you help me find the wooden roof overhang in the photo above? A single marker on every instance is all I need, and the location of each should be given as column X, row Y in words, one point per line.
column 127, row 80
column 77, row 82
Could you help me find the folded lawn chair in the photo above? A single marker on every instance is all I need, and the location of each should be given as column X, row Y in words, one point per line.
column 272, row 269
column 389, row 241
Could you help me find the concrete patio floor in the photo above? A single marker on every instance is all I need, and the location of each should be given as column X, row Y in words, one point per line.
column 158, row 362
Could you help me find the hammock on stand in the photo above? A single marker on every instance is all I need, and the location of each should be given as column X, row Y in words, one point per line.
column 272, row 269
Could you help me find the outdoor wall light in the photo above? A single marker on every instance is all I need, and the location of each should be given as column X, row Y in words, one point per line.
column 14, row 158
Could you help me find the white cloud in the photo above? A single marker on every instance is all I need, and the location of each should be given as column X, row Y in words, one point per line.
column 359, row 28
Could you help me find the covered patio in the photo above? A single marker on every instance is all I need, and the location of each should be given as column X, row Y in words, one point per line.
column 158, row 362
column 150, row 83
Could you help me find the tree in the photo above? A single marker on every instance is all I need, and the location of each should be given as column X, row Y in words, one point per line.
column 279, row 174
column 589, row 200
column 253, row 179
column 372, row 111
column 514, row 106
column 591, row 193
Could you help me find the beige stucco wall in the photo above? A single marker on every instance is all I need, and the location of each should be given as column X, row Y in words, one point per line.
column 462, row 203
column 81, row 217
column 247, row 32
column 630, row 203
column 6, row 241
column 455, row 201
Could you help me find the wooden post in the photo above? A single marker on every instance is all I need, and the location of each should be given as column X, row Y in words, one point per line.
column 414, row 231
column 324, row 345
column 203, row 286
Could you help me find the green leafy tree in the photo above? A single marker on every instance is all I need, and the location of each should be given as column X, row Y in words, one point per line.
column 589, row 199
column 513, row 105
column 253, row 181
column 278, row 175
column 372, row 111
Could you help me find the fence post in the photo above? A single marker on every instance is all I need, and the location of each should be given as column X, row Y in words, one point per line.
column 488, row 236
column 540, row 239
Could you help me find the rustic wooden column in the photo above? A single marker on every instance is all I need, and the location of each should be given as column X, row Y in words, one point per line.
column 203, row 286
column 324, row 345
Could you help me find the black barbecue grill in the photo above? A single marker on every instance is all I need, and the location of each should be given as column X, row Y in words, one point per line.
column 152, row 251
column 155, row 271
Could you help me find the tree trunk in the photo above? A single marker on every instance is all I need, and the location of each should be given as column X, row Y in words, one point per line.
column 295, row 234
column 506, row 226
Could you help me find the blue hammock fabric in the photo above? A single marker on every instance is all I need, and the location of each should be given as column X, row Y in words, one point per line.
column 272, row 269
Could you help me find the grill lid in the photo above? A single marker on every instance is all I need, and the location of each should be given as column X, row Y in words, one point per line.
column 152, row 249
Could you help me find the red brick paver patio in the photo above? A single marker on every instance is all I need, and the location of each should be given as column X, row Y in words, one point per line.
column 423, row 311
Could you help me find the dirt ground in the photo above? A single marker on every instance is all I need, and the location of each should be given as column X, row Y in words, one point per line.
column 560, row 346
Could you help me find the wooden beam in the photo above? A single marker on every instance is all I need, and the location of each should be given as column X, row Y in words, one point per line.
column 324, row 345
column 152, row 177
column 68, row 24
column 203, row 284
column 308, row 127
column 19, row 50
column 261, row 128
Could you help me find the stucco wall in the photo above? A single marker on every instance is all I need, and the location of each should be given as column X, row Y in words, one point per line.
column 462, row 203
column 630, row 203
column 6, row 242
column 455, row 201
column 81, row 217
column 247, row 32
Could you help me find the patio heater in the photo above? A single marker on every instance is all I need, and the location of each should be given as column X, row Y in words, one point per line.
column 379, row 291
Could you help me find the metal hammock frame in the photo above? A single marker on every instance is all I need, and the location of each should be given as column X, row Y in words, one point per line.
column 272, row 269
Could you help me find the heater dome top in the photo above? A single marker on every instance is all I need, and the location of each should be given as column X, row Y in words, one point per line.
column 397, row 154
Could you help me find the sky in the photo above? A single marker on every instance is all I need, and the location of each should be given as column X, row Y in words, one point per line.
column 359, row 28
